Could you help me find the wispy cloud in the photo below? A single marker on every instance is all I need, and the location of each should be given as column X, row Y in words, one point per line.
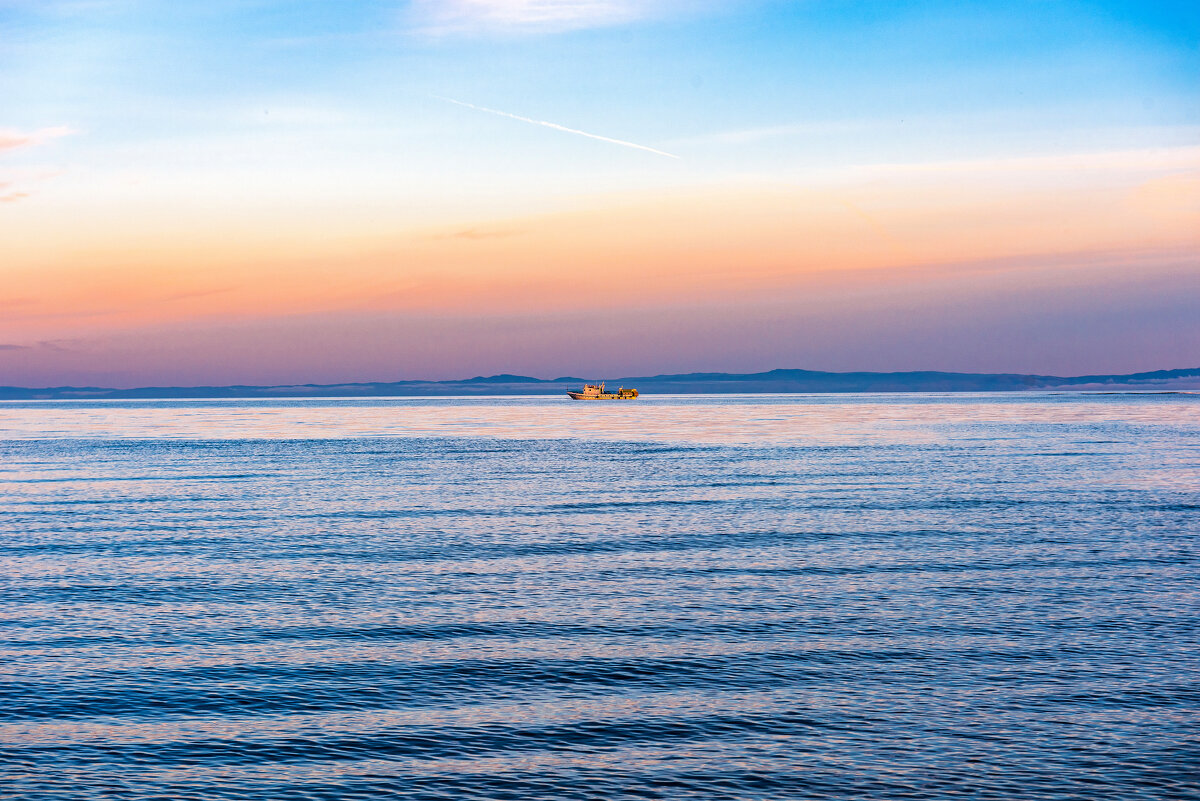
column 465, row 16
column 555, row 126
column 1141, row 160
column 199, row 293
column 60, row 345
column 12, row 139
column 476, row 234
column 748, row 135
column 8, row 195
column 57, row 345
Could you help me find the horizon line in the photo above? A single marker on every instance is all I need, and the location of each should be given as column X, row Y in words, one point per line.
column 1179, row 372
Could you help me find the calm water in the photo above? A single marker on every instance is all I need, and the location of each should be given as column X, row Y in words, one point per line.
column 768, row 597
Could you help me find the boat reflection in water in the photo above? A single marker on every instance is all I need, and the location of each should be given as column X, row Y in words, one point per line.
column 596, row 392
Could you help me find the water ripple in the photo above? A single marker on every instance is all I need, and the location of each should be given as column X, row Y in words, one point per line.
column 892, row 597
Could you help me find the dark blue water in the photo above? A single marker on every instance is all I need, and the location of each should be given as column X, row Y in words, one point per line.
column 986, row 597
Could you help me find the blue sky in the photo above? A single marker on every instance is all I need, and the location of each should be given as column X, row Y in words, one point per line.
column 974, row 77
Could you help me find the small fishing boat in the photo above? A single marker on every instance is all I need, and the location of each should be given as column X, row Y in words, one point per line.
column 597, row 392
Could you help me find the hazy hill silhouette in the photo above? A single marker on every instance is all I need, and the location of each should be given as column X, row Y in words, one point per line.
column 802, row 381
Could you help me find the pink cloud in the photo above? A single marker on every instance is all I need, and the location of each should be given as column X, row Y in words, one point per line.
column 11, row 139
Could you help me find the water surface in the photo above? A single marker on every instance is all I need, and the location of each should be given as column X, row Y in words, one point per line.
column 735, row 597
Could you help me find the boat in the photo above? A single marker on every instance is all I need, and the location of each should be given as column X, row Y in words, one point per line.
column 597, row 392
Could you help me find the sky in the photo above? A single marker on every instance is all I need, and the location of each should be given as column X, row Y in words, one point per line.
column 291, row 191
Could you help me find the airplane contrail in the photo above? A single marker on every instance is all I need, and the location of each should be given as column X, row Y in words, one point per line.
column 558, row 127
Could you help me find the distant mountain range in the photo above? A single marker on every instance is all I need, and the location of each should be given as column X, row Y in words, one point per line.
column 805, row 381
